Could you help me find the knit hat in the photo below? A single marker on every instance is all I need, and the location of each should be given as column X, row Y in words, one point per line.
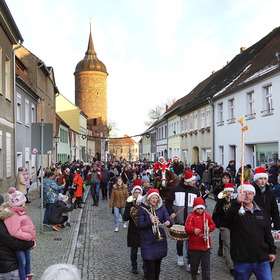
column 260, row 173
column 16, row 198
column 198, row 202
column 137, row 188
column 229, row 187
column 246, row 187
column 189, row 176
column 175, row 158
column 152, row 192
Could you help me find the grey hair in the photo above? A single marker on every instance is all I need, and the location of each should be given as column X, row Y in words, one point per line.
column 61, row 271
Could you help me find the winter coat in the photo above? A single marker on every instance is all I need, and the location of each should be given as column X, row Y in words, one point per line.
column 219, row 215
column 133, row 233
column 250, row 235
column 95, row 177
column 105, row 176
column 8, row 246
column 126, row 175
column 20, row 183
column 194, row 220
column 181, row 196
column 118, row 196
column 267, row 201
column 157, row 166
column 58, row 209
column 151, row 248
column 18, row 223
column 51, row 190
column 206, row 177
column 79, row 182
column 138, row 182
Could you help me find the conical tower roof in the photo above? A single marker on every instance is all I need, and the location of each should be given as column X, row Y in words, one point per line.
column 90, row 61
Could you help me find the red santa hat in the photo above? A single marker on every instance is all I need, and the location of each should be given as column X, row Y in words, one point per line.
column 198, row 202
column 137, row 188
column 175, row 158
column 260, row 173
column 189, row 176
column 161, row 158
column 246, row 187
column 152, row 192
column 229, row 187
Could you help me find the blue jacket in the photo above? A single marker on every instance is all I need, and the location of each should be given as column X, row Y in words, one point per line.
column 151, row 248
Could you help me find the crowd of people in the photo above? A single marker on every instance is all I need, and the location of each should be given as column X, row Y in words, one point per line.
column 132, row 189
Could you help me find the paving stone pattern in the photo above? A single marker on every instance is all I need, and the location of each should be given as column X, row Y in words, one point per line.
column 102, row 253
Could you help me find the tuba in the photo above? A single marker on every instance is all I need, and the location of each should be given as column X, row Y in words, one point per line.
column 134, row 210
column 221, row 195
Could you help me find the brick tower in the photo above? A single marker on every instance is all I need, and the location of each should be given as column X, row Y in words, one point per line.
column 91, row 92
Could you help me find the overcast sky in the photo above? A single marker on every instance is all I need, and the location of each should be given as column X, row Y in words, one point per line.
column 153, row 49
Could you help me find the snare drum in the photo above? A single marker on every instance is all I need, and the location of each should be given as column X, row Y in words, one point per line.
column 177, row 232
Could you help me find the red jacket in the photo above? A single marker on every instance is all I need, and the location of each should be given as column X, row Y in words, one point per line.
column 194, row 220
column 79, row 182
column 137, row 182
column 157, row 166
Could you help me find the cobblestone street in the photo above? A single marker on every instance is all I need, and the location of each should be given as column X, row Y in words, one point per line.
column 102, row 253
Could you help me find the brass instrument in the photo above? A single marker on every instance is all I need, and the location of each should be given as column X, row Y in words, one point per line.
column 223, row 194
column 155, row 226
column 134, row 210
column 206, row 233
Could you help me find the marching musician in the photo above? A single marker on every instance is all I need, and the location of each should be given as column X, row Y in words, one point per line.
column 222, row 205
column 180, row 200
column 198, row 225
column 153, row 241
column 251, row 242
column 133, row 233
column 177, row 167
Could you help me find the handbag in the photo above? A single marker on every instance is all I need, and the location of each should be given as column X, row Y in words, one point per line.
column 73, row 187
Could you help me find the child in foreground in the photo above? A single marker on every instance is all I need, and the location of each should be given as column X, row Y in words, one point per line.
column 198, row 225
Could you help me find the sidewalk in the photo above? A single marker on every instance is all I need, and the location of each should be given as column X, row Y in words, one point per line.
column 52, row 246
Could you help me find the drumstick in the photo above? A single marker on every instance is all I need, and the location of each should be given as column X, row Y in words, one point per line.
column 179, row 211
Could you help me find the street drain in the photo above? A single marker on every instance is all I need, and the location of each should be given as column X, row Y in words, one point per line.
column 57, row 239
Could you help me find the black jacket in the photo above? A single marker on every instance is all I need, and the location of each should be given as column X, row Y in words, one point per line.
column 58, row 208
column 8, row 246
column 105, row 176
column 178, row 168
column 267, row 201
column 219, row 214
column 250, row 235
column 133, row 233
column 181, row 196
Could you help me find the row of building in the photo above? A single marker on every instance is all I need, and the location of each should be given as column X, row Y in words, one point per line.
column 203, row 125
column 29, row 95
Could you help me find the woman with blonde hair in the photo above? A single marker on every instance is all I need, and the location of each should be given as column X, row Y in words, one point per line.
column 118, row 201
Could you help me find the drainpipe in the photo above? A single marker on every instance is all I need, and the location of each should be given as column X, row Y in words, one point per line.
column 210, row 101
column 15, row 102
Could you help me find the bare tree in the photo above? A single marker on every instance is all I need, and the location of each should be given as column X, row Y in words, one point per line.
column 155, row 112
column 112, row 128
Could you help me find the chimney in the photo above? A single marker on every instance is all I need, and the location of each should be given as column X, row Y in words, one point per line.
column 242, row 49
column 166, row 107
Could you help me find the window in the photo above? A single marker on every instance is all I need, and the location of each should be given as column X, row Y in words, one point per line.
column 8, row 78
column 202, row 118
column 208, row 115
column 186, row 124
column 191, row 122
column 195, row 120
column 8, row 155
column 94, row 121
column 27, row 119
column 1, row 156
column 19, row 109
column 221, row 154
column 27, row 154
column 220, row 114
column 33, row 114
column 268, row 107
column 231, row 111
column 1, row 82
column 250, row 105
column 182, row 125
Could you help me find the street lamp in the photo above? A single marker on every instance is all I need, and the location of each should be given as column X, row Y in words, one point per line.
column 56, row 140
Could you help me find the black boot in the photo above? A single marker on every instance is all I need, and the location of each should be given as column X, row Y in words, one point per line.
column 220, row 251
column 194, row 277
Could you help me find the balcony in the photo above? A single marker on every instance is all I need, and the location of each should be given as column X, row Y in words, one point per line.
column 230, row 121
column 220, row 123
column 267, row 112
column 250, row 116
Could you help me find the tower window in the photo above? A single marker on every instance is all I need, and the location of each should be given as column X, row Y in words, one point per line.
column 94, row 121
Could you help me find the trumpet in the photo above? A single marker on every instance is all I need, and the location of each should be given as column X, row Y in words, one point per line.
column 206, row 233
column 222, row 195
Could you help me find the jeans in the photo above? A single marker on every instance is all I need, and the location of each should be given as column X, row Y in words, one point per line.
column 103, row 187
column 94, row 190
column 133, row 258
column 117, row 212
column 243, row 271
column 23, row 263
column 179, row 246
column 207, row 186
column 47, row 212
